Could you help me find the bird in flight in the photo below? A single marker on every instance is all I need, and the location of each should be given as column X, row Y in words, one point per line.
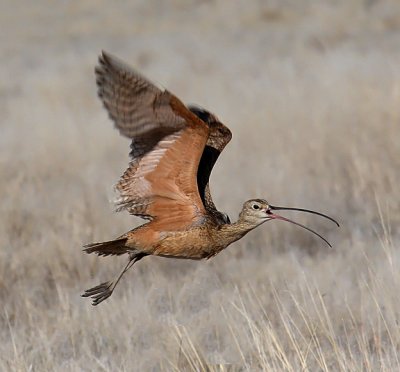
column 173, row 151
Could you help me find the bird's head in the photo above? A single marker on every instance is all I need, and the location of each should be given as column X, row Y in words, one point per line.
column 258, row 211
column 255, row 211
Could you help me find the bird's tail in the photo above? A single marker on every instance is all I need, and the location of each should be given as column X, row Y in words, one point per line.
column 112, row 247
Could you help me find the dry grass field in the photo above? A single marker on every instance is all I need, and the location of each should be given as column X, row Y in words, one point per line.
column 311, row 91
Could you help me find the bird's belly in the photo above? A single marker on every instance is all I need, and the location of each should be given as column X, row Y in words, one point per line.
column 181, row 246
column 195, row 244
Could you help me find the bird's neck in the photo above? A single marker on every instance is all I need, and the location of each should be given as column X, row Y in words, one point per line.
column 234, row 231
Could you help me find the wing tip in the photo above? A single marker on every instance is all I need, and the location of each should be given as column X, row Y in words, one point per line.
column 108, row 63
column 105, row 57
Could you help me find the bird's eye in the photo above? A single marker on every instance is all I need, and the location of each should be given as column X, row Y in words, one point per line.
column 255, row 206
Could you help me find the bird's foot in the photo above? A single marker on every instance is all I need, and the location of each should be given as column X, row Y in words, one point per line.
column 100, row 292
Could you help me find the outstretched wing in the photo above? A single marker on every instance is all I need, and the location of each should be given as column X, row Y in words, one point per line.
column 167, row 143
column 219, row 137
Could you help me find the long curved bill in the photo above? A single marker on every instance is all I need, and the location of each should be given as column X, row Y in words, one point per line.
column 277, row 217
column 304, row 210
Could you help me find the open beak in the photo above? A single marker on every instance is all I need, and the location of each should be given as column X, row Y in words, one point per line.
column 277, row 217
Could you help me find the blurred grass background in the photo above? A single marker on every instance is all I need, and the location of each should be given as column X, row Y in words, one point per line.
column 311, row 92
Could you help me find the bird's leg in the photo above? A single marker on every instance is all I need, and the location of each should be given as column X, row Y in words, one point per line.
column 105, row 290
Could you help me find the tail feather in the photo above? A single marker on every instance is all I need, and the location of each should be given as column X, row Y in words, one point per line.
column 112, row 247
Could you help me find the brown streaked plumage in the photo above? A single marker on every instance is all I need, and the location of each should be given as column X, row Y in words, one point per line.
column 173, row 151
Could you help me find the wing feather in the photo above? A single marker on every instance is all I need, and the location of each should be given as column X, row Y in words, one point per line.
column 219, row 137
column 136, row 106
column 167, row 143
